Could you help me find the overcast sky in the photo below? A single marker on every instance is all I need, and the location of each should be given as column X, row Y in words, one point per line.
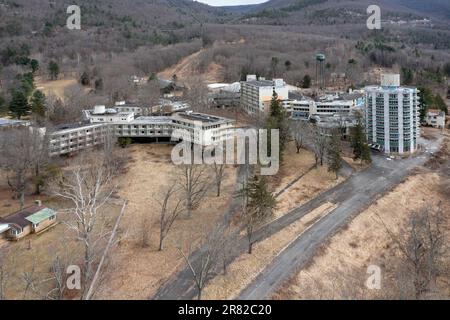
column 230, row 2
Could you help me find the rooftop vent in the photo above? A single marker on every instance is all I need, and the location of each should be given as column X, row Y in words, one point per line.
column 390, row 80
column 99, row 109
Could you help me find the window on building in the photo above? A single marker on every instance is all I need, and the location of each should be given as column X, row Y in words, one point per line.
column 16, row 231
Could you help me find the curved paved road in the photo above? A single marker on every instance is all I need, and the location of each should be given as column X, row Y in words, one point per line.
column 352, row 197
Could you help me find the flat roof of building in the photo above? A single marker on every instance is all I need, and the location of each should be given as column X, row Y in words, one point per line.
column 64, row 128
column 11, row 122
column 151, row 119
column 261, row 83
column 110, row 114
column 201, row 117
column 392, row 88
column 351, row 96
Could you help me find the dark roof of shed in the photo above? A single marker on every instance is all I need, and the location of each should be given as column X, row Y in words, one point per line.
column 19, row 217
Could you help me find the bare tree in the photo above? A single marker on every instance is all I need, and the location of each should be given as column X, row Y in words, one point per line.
column 88, row 187
column 30, row 280
column 203, row 263
column 148, row 95
column 300, row 132
column 20, row 147
column 219, row 174
column 197, row 94
column 7, row 269
column 320, row 142
column 170, row 210
column 96, row 279
column 58, row 277
column 229, row 247
column 193, row 182
column 145, row 227
column 424, row 250
column 42, row 165
column 109, row 143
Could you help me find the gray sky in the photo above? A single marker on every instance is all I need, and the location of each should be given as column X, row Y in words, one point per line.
column 230, row 2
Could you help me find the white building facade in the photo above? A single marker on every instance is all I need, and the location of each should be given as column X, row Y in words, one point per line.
column 392, row 115
column 343, row 105
column 256, row 94
column 197, row 128
column 435, row 118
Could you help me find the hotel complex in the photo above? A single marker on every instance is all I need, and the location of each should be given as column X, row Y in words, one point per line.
column 100, row 122
column 392, row 115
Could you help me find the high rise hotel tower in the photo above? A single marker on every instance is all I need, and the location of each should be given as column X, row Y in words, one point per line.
column 392, row 115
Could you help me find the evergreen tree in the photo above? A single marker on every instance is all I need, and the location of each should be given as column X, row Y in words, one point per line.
column 440, row 104
column 408, row 76
column 53, row 69
column 288, row 65
column 34, row 64
column 306, row 82
column 273, row 66
column 85, row 79
column 260, row 203
column 365, row 155
column 334, row 158
column 447, row 69
column 37, row 102
column 359, row 144
column 3, row 107
column 277, row 120
column 27, row 81
column 98, row 84
column 19, row 104
column 426, row 100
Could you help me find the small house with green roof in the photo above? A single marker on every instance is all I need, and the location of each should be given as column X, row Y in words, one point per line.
column 34, row 219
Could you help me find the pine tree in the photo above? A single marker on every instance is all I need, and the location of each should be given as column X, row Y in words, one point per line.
column 365, row 154
column 277, row 120
column 37, row 102
column 2, row 104
column 334, row 158
column 426, row 100
column 85, row 80
column 34, row 64
column 19, row 104
column 440, row 104
column 27, row 81
column 306, row 83
column 260, row 203
column 359, row 144
column 53, row 68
